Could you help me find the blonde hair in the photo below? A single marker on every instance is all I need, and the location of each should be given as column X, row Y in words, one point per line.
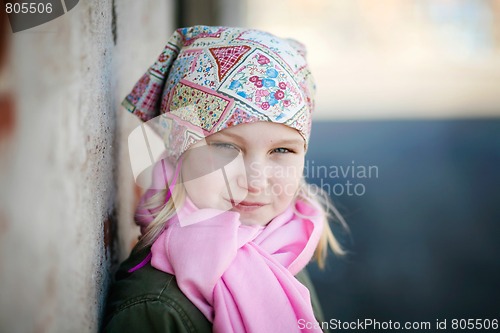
column 162, row 211
column 314, row 193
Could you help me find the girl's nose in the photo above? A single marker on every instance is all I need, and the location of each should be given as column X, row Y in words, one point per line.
column 256, row 176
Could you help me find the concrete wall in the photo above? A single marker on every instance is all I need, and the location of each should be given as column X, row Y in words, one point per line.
column 66, row 194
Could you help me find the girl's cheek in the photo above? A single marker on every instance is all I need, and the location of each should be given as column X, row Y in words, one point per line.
column 214, row 190
column 236, row 167
column 202, row 189
column 288, row 173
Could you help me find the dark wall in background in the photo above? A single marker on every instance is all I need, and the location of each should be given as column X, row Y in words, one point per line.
column 196, row 12
column 426, row 232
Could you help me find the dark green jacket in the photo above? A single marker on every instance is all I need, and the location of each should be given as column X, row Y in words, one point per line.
column 148, row 300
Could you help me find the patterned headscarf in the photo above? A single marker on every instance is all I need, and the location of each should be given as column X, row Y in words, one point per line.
column 210, row 78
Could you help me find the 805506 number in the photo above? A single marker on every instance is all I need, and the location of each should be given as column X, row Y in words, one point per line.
column 28, row 7
column 474, row 324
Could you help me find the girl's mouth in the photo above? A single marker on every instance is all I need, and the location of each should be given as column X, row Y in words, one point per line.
column 246, row 206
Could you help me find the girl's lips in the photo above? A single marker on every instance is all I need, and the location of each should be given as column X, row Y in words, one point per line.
column 246, row 206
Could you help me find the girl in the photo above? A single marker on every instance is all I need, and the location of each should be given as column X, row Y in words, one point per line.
column 226, row 237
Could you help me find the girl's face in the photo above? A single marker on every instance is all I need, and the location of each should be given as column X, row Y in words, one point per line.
column 253, row 169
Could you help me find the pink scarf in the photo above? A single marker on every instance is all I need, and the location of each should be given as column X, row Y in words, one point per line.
column 240, row 277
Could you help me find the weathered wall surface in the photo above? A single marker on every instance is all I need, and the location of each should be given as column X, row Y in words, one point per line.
column 143, row 30
column 65, row 184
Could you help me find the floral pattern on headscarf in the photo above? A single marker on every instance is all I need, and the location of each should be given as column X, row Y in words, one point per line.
column 210, row 78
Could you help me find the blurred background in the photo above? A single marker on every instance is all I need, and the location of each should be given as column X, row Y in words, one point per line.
column 406, row 140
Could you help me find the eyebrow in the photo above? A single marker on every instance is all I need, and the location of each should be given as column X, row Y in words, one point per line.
column 281, row 142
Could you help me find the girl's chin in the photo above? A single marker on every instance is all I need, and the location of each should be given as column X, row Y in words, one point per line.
column 251, row 220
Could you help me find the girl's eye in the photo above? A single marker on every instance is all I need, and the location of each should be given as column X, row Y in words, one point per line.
column 223, row 145
column 282, row 150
